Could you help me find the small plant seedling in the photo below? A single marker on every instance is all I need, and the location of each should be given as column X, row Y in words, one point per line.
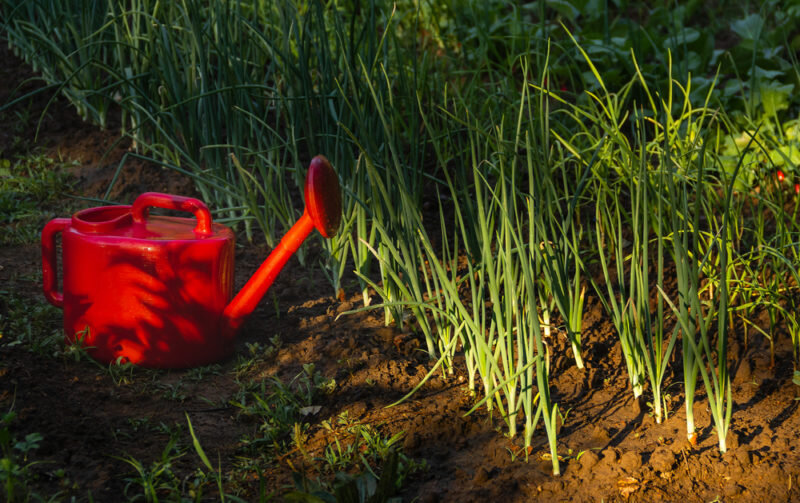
column 77, row 349
column 280, row 407
column 175, row 391
column 139, row 423
column 796, row 380
column 157, row 480
column 584, row 451
column 15, row 473
column 197, row 374
column 121, row 371
column 564, row 415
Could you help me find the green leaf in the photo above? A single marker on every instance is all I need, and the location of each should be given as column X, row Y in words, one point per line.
column 198, row 447
column 564, row 8
column 775, row 96
column 386, row 488
column 31, row 442
column 763, row 74
column 748, row 28
column 772, row 54
column 682, row 37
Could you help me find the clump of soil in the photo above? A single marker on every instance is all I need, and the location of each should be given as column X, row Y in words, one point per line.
column 92, row 419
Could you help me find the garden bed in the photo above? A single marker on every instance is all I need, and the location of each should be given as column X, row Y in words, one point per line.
column 97, row 423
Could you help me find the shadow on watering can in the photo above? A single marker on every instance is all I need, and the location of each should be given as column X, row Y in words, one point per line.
column 147, row 329
column 156, row 291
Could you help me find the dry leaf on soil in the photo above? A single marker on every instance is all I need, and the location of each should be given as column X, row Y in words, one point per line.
column 627, row 486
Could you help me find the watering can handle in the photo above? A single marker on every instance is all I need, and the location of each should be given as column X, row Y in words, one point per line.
column 170, row 202
column 49, row 264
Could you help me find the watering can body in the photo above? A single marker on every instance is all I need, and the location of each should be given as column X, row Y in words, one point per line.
column 156, row 291
column 145, row 289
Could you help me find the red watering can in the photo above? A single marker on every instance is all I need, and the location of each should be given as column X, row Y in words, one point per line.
column 156, row 290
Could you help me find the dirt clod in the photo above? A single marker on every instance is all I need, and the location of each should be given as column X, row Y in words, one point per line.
column 630, row 461
column 610, row 456
column 732, row 440
column 600, row 435
column 662, row 459
column 481, row 477
column 744, row 373
column 588, row 460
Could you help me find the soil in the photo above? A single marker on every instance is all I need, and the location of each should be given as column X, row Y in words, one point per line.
column 612, row 448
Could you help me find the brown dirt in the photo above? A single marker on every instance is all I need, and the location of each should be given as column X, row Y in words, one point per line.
column 612, row 448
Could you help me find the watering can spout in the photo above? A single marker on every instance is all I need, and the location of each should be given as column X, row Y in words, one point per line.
column 323, row 211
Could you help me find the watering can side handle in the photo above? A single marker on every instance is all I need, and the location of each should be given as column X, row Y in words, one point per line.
column 171, row 202
column 49, row 263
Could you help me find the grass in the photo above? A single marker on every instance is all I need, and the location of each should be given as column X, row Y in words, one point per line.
column 361, row 448
column 495, row 160
column 30, row 324
column 279, row 408
column 30, row 184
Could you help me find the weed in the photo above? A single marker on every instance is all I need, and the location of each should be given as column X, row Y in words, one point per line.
column 156, row 481
column 175, row 392
column 15, row 473
column 365, row 487
column 256, row 353
column 355, row 444
column 121, row 371
column 31, row 324
column 201, row 373
column 76, row 349
column 279, row 407
column 29, row 186
column 366, row 451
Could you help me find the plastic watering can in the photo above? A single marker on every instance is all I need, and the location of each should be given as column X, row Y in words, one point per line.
column 157, row 290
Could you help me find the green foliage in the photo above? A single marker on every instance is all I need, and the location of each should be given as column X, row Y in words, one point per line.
column 32, row 324
column 15, row 466
column 365, row 487
column 29, row 187
column 358, row 448
column 149, row 483
column 278, row 407
column 476, row 142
